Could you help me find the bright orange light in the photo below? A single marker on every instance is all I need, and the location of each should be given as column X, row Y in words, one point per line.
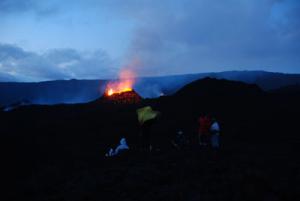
column 110, row 92
column 125, row 83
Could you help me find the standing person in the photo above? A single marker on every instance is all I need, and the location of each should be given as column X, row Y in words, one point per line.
column 203, row 133
column 146, row 118
column 215, row 134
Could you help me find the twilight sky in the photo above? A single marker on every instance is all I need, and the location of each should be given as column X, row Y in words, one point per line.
column 90, row 39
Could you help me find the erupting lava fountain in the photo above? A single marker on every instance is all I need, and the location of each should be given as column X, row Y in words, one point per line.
column 121, row 91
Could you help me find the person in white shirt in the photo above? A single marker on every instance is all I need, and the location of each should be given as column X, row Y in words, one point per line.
column 215, row 134
column 122, row 147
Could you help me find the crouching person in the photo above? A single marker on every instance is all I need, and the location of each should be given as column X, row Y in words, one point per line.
column 215, row 134
column 122, row 147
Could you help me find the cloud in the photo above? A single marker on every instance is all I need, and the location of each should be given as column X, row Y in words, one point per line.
column 21, row 65
column 199, row 36
column 6, row 77
column 39, row 8
column 168, row 37
column 10, row 6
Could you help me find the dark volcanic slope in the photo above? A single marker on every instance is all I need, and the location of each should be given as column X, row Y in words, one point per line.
column 52, row 92
column 209, row 87
column 57, row 152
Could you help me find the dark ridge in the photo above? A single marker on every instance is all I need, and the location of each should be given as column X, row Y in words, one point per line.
column 51, row 92
column 291, row 89
column 210, row 87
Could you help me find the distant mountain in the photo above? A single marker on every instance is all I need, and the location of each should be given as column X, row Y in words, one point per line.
column 52, row 92
column 266, row 80
column 170, row 84
column 78, row 91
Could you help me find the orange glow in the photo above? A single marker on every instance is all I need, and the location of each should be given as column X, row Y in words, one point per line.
column 124, row 84
column 110, row 92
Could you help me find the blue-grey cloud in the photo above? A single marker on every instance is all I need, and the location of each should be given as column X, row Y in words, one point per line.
column 197, row 36
column 6, row 77
column 168, row 37
column 21, row 65
column 11, row 6
column 17, row 7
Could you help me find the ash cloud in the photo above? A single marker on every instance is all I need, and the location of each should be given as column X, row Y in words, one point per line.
column 175, row 37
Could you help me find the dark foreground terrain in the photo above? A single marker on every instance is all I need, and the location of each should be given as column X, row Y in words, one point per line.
column 57, row 152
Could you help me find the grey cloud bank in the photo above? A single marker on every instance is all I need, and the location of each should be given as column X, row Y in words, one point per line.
column 20, row 65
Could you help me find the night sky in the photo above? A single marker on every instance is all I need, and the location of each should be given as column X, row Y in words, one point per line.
column 93, row 39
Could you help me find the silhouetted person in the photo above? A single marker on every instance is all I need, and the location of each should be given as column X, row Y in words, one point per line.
column 180, row 140
column 203, row 132
column 146, row 117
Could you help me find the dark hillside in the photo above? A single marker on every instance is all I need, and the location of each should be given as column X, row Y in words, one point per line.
column 57, row 152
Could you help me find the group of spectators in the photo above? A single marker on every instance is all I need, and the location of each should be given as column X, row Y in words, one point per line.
column 208, row 133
